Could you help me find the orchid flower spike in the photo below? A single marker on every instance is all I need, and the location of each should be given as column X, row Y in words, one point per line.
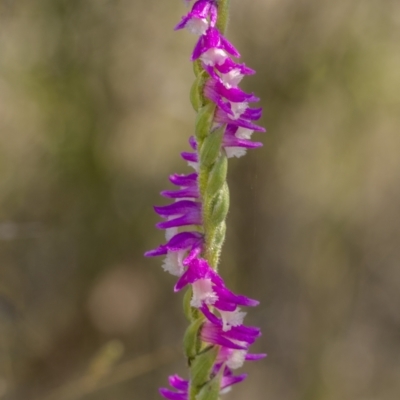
column 217, row 341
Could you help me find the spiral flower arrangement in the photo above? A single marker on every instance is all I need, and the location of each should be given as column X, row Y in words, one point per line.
column 216, row 342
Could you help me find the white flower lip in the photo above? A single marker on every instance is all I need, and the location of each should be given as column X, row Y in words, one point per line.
column 238, row 109
column 214, row 56
column 232, row 318
column 234, row 151
column 203, row 293
column 232, row 78
column 173, row 262
column 197, row 26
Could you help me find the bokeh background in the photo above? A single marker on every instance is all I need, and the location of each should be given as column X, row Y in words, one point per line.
column 94, row 111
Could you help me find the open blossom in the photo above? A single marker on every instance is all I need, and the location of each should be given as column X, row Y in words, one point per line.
column 202, row 16
column 222, row 326
column 197, row 271
column 181, row 386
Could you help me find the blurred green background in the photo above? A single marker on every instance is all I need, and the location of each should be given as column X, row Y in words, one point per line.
column 94, row 111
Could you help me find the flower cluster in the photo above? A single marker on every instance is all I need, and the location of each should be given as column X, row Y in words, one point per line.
column 220, row 324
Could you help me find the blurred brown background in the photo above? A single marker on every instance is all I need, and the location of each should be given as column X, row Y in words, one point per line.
column 94, row 111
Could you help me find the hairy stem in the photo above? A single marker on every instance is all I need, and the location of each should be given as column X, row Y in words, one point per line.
column 223, row 15
column 213, row 192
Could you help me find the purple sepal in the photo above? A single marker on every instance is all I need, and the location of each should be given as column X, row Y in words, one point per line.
column 183, row 180
column 191, row 192
column 187, row 212
column 198, row 268
column 225, row 68
column 229, row 65
column 253, row 114
column 192, row 142
column 180, row 241
column 243, row 333
column 192, row 157
column 182, row 386
column 181, row 207
column 247, row 144
column 229, row 379
column 229, row 47
column 234, row 95
column 191, row 219
column 213, row 40
column 200, row 10
column 231, row 140
column 178, row 383
column 211, row 333
column 170, row 395
column 217, row 99
column 194, row 254
column 212, row 94
column 255, row 357
column 188, row 184
column 223, row 118
column 227, row 301
column 210, row 316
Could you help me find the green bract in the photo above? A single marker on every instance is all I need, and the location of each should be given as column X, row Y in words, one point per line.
column 191, row 340
column 210, row 391
column 204, row 121
column 201, row 367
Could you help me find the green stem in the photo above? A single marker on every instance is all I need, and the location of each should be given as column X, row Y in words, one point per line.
column 223, row 15
column 208, row 179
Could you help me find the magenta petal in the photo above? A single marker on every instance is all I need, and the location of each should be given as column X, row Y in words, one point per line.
column 211, row 71
column 183, row 180
column 184, row 240
column 227, row 296
column 180, row 241
column 192, row 219
column 194, row 253
column 178, row 383
column 198, row 49
column 170, row 395
column 235, row 95
column 229, row 65
column 243, row 333
column 210, row 316
column 252, row 113
column 246, row 124
column 192, row 142
column 212, row 38
column 232, row 380
column 222, row 117
column 184, row 280
column 192, row 192
column 225, row 305
column 196, row 270
column 183, row 22
column 159, row 251
column 189, row 156
column 213, row 15
column 226, row 45
column 255, row 357
column 200, row 10
column 247, row 144
column 178, row 208
column 211, row 94
column 220, row 341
